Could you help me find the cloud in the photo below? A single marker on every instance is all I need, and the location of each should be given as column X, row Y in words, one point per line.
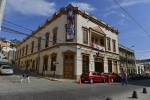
column 122, row 22
column 109, row 13
column 84, row 6
column 127, row 3
column 31, row 7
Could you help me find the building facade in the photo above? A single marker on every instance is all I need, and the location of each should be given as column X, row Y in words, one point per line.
column 143, row 66
column 127, row 60
column 76, row 40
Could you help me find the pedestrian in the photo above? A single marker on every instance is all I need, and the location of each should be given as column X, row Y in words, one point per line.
column 26, row 73
column 124, row 78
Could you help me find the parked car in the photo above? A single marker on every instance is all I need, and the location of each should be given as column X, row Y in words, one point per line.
column 92, row 77
column 113, row 77
column 6, row 69
column 3, row 64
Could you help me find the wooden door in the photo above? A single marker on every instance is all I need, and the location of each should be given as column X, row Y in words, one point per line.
column 69, row 66
column 115, row 67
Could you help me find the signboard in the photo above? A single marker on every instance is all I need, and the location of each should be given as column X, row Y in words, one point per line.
column 70, row 24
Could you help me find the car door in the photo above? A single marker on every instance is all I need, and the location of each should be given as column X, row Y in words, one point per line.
column 114, row 76
column 100, row 77
column 95, row 77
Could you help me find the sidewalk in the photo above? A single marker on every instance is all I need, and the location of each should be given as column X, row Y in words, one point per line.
column 45, row 77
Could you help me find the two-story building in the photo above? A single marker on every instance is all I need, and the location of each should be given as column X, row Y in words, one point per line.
column 78, row 41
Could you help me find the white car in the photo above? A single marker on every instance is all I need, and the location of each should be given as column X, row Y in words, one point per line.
column 6, row 69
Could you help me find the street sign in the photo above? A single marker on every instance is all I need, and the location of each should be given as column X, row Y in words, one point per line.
column 55, row 63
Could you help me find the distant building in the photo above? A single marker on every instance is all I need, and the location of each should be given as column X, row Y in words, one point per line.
column 127, row 59
column 143, row 66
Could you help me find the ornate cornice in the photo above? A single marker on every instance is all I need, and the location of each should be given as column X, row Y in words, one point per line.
column 61, row 12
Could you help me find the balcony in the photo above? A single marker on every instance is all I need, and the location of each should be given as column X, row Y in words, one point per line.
column 97, row 38
column 101, row 48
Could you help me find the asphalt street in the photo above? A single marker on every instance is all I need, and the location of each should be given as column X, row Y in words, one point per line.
column 42, row 89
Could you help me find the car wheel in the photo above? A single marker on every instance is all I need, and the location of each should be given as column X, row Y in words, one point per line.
column 91, row 81
column 112, row 80
column 104, row 80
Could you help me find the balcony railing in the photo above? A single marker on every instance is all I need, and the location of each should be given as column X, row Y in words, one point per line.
column 102, row 48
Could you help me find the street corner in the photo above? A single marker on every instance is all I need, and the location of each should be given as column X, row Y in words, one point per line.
column 44, row 77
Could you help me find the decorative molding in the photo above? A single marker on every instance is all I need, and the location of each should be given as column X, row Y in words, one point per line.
column 53, row 54
column 45, row 56
column 68, row 52
column 85, row 53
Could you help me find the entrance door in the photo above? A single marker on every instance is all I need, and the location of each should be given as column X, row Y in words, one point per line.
column 45, row 64
column 99, row 65
column 33, row 64
column 115, row 67
column 69, row 66
column 28, row 63
column 36, row 64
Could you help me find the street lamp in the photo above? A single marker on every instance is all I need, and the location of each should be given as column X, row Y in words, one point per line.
column 127, row 59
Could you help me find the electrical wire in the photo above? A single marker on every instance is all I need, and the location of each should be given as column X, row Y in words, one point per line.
column 132, row 18
column 18, row 25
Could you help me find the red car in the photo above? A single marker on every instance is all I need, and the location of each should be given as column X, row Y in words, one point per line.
column 113, row 77
column 93, row 77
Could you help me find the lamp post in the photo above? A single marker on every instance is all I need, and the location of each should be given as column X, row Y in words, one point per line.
column 127, row 59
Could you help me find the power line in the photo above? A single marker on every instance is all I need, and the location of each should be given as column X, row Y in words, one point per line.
column 132, row 18
column 18, row 25
column 142, row 51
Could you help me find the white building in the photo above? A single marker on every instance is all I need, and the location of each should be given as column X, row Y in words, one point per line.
column 72, row 38
column 140, row 69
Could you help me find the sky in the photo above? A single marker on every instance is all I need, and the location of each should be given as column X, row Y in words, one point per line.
column 133, row 21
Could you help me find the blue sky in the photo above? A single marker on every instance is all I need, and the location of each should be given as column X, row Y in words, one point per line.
column 31, row 13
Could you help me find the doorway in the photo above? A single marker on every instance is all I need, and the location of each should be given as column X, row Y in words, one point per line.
column 69, row 66
column 99, row 66
column 45, row 64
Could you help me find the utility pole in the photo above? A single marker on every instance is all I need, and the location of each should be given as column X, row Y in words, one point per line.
column 39, row 48
column 2, row 9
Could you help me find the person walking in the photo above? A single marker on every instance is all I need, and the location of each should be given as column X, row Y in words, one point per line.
column 124, row 78
column 26, row 73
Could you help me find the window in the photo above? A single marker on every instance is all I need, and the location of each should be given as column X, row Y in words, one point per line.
column 53, row 67
column 114, row 46
column 23, row 52
column 108, row 44
column 55, row 35
column 20, row 53
column 96, row 41
column 109, row 66
column 26, row 49
column 85, row 36
column 47, row 39
column 102, row 42
column 39, row 43
column 85, row 63
column 32, row 46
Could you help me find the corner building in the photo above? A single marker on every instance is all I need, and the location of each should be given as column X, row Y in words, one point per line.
column 79, row 42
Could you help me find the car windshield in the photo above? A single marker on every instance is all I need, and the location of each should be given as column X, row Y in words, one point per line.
column 6, row 67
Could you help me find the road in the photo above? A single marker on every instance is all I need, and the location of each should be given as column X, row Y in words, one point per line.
column 42, row 89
